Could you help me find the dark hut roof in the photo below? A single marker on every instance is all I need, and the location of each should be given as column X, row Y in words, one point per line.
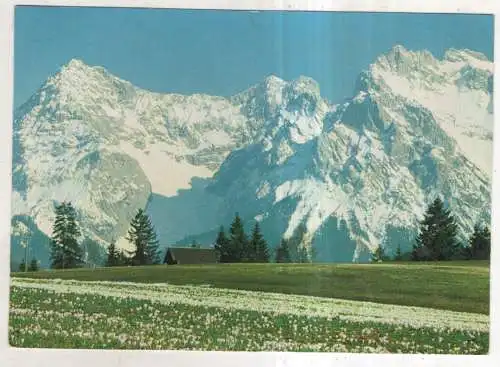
column 192, row 255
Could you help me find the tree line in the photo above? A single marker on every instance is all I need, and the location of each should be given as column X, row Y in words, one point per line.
column 437, row 239
column 236, row 246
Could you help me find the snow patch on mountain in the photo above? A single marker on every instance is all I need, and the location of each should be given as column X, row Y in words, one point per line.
column 171, row 174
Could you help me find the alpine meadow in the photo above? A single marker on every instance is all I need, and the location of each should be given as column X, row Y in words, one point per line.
column 255, row 181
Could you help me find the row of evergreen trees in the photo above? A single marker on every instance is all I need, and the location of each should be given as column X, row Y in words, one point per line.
column 235, row 247
column 238, row 247
column 479, row 247
column 437, row 239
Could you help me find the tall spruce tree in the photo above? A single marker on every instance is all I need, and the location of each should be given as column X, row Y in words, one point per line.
column 480, row 243
column 65, row 250
column 283, row 252
column 142, row 235
column 113, row 255
column 436, row 239
column 238, row 250
column 258, row 249
column 222, row 246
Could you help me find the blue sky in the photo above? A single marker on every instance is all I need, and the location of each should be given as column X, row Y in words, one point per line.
column 224, row 52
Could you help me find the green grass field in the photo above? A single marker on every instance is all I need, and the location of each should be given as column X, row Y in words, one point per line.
column 457, row 286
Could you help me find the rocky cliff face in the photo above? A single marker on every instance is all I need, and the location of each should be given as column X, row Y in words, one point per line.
column 354, row 175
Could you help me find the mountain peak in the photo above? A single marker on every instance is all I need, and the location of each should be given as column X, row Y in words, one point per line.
column 305, row 83
column 83, row 82
column 397, row 53
column 76, row 66
column 455, row 55
column 398, row 50
column 273, row 79
column 401, row 59
column 75, row 63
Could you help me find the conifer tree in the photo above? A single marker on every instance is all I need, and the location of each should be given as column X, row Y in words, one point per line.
column 283, row 252
column 142, row 235
column 437, row 236
column 113, row 255
column 153, row 250
column 222, row 246
column 65, row 250
column 480, row 243
column 33, row 265
column 238, row 242
column 258, row 249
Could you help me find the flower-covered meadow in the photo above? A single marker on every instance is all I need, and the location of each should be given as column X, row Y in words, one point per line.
column 119, row 315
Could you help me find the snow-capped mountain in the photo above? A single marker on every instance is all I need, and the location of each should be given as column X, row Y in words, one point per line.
column 355, row 175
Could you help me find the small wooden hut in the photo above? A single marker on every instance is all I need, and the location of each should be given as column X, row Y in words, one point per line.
column 190, row 255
